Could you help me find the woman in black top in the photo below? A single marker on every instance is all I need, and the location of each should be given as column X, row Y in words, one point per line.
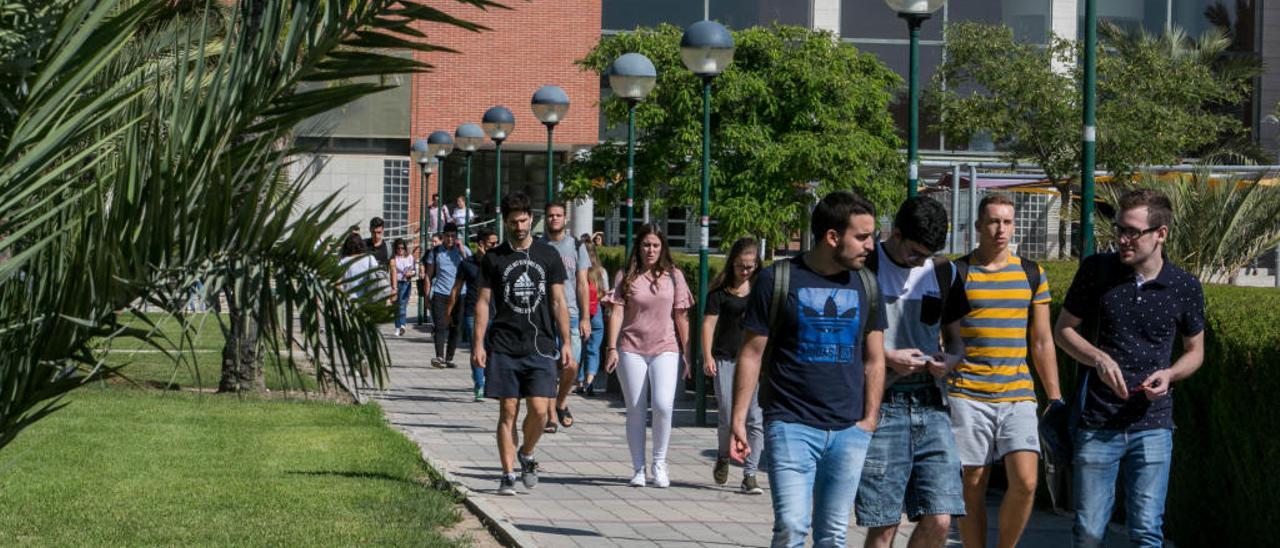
column 721, row 341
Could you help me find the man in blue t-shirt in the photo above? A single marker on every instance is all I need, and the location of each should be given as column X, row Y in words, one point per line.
column 442, row 269
column 820, row 363
column 1140, row 304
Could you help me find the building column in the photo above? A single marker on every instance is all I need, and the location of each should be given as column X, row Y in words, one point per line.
column 584, row 212
column 825, row 15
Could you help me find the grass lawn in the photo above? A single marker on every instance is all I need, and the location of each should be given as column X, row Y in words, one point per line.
column 127, row 467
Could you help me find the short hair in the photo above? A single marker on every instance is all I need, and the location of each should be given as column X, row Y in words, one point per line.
column 994, row 199
column 559, row 204
column 484, row 233
column 922, row 220
column 833, row 212
column 1159, row 208
column 353, row 245
column 450, row 227
column 516, row 202
column 375, row 222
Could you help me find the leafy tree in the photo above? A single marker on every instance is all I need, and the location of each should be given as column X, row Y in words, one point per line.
column 795, row 106
column 131, row 169
column 1158, row 99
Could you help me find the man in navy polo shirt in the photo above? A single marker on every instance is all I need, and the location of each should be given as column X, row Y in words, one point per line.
column 1140, row 304
column 822, row 377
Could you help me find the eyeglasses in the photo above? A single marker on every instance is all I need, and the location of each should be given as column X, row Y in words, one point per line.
column 741, row 266
column 1129, row 234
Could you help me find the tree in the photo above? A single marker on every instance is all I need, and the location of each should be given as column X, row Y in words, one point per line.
column 1157, row 99
column 127, row 176
column 795, row 106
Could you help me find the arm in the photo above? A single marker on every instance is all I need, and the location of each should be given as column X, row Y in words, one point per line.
column 952, row 351
column 873, row 390
column 681, row 317
column 1042, row 349
column 453, row 297
column 1157, row 385
column 478, row 355
column 745, row 380
column 611, row 338
column 562, row 323
column 584, row 304
column 1067, row 334
column 709, row 333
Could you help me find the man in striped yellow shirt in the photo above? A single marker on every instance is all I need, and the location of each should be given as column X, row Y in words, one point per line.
column 992, row 395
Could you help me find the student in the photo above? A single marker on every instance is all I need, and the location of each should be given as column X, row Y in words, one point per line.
column 912, row 466
column 721, row 341
column 576, row 264
column 404, row 269
column 516, row 345
column 648, row 334
column 822, row 375
column 992, row 396
column 597, row 288
column 442, row 268
column 468, row 284
column 1140, row 304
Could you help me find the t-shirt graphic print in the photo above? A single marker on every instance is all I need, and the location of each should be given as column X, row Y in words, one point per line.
column 525, row 289
column 829, row 322
column 520, row 289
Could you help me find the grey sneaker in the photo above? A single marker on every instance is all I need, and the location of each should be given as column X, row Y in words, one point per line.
column 750, row 487
column 721, row 471
column 437, row 363
column 507, row 485
column 528, row 470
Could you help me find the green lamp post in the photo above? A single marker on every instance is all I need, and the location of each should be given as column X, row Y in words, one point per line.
column 498, row 122
column 1089, row 135
column 632, row 76
column 468, row 138
column 439, row 145
column 915, row 12
column 706, row 48
column 550, row 104
column 420, row 154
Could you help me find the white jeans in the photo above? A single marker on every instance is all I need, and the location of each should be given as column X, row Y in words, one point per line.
column 648, row 380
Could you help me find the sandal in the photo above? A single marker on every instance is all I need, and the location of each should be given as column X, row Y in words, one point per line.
column 550, row 428
column 564, row 416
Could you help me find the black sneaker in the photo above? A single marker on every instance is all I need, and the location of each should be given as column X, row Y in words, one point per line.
column 450, row 365
column 721, row 471
column 750, row 487
column 528, row 470
column 507, row 485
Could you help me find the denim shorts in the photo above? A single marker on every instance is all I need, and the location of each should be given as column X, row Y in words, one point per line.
column 507, row 376
column 912, row 466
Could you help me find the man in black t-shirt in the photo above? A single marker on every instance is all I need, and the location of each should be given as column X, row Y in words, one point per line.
column 517, row 348
column 376, row 244
column 467, row 283
column 822, row 376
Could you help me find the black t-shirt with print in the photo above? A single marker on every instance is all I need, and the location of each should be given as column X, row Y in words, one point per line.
column 380, row 253
column 520, row 281
column 728, row 336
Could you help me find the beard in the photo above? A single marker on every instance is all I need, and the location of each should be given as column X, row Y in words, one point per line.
column 851, row 257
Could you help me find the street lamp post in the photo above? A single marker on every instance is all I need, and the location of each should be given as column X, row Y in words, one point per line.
column 468, row 137
column 632, row 77
column 498, row 122
column 550, row 104
column 439, row 145
column 915, row 12
column 706, row 49
column 1090, row 132
column 420, row 153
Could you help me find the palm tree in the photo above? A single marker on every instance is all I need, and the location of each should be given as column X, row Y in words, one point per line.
column 144, row 150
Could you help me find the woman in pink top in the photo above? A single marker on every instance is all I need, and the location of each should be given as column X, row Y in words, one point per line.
column 648, row 333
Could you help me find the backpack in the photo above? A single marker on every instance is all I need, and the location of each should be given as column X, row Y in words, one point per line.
column 781, row 285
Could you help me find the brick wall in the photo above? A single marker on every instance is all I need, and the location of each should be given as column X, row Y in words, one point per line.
column 534, row 43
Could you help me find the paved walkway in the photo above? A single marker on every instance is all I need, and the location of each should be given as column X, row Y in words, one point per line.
column 583, row 498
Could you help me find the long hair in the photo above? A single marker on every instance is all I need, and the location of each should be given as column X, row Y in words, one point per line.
column 597, row 273
column 634, row 267
column 728, row 276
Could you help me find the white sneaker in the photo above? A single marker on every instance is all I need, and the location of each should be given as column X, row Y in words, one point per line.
column 660, row 478
column 638, row 479
column 399, row 331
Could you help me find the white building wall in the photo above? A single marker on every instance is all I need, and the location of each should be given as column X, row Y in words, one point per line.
column 358, row 181
column 826, row 16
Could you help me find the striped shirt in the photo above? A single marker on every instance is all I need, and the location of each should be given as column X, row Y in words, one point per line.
column 994, row 368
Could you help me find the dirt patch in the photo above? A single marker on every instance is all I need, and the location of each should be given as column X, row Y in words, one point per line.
column 472, row 530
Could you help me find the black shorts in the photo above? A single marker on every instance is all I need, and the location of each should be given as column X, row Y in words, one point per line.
column 507, row 376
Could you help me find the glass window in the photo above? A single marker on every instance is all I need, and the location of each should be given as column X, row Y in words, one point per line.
column 1029, row 19
column 1131, row 15
column 629, row 14
column 897, row 57
column 873, row 19
column 747, row 13
column 395, row 197
column 1239, row 19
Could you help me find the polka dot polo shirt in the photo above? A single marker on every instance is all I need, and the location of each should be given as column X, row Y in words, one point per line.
column 1137, row 322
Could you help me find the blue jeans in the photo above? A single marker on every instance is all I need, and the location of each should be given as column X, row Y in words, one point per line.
column 468, row 328
column 1143, row 459
column 591, row 354
column 814, row 474
column 402, row 299
column 912, row 465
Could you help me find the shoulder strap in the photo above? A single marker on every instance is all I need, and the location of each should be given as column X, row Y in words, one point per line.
column 872, row 287
column 942, row 271
column 1032, row 270
column 781, row 285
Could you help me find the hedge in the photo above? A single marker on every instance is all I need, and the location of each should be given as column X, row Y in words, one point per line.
column 1224, row 489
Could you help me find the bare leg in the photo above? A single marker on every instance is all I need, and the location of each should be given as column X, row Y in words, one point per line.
column 880, row 537
column 568, row 376
column 534, row 420
column 973, row 526
column 931, row 532
column 1015, row 510
column 508, row 408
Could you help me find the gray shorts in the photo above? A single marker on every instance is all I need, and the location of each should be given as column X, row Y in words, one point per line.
column 985, row 432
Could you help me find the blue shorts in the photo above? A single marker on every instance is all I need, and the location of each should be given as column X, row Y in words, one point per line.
column 507, row 376
column 912, row 465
